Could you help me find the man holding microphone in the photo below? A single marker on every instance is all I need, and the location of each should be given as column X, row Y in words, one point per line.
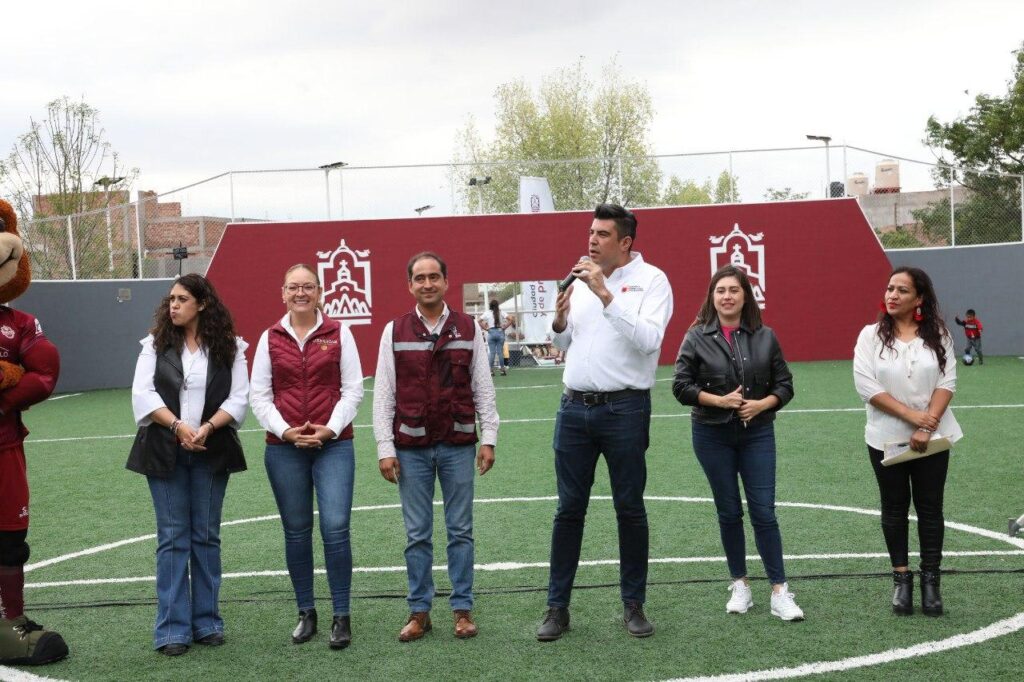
column 611, row 323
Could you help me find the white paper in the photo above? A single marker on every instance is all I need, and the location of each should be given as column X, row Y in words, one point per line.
column 897, row 452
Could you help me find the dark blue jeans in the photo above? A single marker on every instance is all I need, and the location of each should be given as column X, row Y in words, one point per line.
column 294, row 473
column 619, row 430
column 728, row 451
column 188, row 507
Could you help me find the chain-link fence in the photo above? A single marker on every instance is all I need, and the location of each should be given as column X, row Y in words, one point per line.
column 910, row 204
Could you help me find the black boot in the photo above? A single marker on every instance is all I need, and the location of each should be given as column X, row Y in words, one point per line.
column 341, row 632
column 903, row 593
column 931, row 599
column 306, row 628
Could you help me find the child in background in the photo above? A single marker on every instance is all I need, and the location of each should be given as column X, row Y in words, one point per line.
column 972, row 328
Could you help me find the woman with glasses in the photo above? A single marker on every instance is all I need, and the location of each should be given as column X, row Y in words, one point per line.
column 307, row 384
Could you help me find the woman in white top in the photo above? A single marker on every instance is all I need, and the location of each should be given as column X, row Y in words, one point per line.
column 495, row 327
column 904, row 368
column 307, row 383
column 189, row 398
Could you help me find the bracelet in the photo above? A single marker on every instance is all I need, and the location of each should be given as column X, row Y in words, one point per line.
column 174, row 426
column 212, row 427
column 921, row 428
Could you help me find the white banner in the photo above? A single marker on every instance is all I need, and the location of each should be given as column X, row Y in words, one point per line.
column 535, row 195
column 538, row 299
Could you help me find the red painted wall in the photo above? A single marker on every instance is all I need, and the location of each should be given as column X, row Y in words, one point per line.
column 823, row 271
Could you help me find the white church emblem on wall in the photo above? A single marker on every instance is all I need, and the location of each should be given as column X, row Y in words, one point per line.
column 345, row 275
column 739, row 249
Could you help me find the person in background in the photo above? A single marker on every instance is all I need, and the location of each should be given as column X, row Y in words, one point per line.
column 189, row 397
column 495, row 327
column 905, row 371
column 307, row 384
column 972, row 329
column 731, row 371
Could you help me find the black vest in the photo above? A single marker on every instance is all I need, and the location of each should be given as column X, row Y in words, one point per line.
column 156, row 448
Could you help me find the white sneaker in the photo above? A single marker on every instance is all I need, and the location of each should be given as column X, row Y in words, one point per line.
column 742, row 598
column 784, row 606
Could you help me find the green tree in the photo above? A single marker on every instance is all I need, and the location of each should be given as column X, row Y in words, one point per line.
column 53, row 170
column 679, row 192
column 978, row 151
column 784, row 194
column 589, row 141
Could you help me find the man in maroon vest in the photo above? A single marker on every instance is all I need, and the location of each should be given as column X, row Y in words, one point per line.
column 432, row 382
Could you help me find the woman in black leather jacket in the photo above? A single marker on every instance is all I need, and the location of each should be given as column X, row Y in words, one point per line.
column 730, row 369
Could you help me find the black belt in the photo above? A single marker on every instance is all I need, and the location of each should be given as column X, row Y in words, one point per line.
column 602, row 398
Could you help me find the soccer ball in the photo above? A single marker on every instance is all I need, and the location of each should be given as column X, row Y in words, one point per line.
column 968, row 359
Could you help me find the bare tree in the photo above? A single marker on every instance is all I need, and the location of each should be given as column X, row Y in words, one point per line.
column 53, row 171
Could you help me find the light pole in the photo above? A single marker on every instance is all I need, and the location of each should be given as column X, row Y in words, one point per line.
column 421, row 209
column 828, row 170
column 105, row 182
column 327, row 168
column 479, row 184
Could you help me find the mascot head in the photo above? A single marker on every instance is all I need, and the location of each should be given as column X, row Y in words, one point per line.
column 15, row 273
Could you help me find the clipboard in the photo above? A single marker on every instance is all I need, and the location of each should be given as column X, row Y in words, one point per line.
column 897, row 452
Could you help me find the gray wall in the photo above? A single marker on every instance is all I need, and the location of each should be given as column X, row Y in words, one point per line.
column 98, row 337
column 986, row 278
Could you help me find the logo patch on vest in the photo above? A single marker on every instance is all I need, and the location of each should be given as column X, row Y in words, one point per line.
column 7, row 331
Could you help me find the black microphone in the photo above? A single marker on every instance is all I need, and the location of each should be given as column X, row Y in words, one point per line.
column 564, row 284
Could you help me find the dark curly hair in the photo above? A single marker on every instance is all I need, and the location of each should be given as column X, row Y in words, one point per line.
column 750, row 315
column 931, row 328
column 216, row 331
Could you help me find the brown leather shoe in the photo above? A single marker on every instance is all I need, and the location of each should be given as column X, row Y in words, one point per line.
column 417, row 626
column 464, row 625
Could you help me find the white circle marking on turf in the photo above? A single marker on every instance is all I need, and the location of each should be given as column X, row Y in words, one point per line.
column 997, row 629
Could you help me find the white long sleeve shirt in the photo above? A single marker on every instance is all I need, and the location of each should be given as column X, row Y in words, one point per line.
column 192, row 396
column 384, row 388
column 261, row 394
column 909, row 372
column 614, row 347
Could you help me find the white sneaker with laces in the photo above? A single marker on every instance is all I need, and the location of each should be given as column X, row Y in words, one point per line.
column 784, row 606
column 742, row 598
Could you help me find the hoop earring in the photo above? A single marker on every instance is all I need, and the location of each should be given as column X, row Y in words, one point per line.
column 917, row 314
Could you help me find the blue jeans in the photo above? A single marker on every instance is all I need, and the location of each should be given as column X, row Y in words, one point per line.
column 294, row 474
column 188, row 506
column 726, row 451
column 619, row 430
column 495, row 347
column 453, row 466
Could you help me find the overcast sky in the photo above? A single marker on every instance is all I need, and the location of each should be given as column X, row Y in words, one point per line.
column 197, row 88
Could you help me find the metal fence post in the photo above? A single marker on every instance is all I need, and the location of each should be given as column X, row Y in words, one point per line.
column 71, row 251
column 110, row 240
column 952, row 213
column 231, row 190
column 846, row 175
column 732, row 188
column 138, row 235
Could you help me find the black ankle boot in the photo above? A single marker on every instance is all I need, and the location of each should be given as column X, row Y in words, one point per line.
column 931, row 598
column 903, row 593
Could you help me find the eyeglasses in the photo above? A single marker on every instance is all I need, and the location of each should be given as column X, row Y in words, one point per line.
column 304, row 288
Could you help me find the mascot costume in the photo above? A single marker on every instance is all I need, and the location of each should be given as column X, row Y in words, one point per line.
column 29, row 365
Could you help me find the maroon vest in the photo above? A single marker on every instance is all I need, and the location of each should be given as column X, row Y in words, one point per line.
column 306, row 382
column 433, row 382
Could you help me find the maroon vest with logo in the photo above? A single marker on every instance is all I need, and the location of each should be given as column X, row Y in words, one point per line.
column 306, row 382
column 433, row 382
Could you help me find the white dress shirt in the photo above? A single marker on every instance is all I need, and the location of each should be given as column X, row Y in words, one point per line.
column 616, row 347
column 384, row 388
column 262, row 392
column 192, row 396
column 909, row 372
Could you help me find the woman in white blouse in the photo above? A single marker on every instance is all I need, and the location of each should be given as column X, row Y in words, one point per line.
column 904, row 368
column 307, row 384
column 189, row 398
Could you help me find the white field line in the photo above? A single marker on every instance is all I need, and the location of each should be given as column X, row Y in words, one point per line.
column 59, row 397
column 997, row 629
column 521, row 565
column 539, row 420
